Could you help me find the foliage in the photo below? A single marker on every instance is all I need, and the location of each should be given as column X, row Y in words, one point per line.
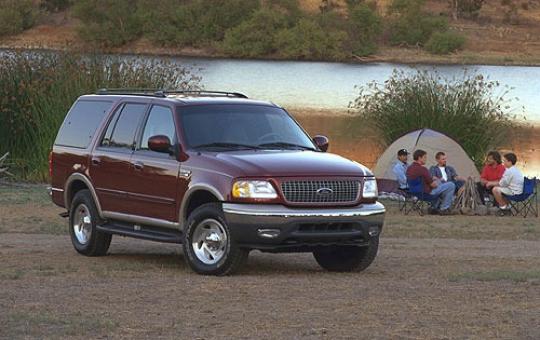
column 510, row 10
column 469, row 9
column 308, row 40
column 36, row 91
column 16, row 16
column 55, row 5
column 256, row 36
column 410, row 25
column 445, row 42
column 108, row 23
column 364, row 28
column 468, row 109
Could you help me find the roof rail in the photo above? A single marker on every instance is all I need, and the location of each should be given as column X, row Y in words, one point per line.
column 164, row 93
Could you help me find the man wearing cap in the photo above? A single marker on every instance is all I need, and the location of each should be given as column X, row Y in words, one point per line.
column 400, row 168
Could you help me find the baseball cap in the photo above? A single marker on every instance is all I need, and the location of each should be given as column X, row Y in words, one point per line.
column 403, row 152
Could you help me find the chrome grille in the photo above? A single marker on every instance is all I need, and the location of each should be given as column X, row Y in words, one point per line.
column 343, row 191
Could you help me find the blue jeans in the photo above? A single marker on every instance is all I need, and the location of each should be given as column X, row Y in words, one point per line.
column 445, row 192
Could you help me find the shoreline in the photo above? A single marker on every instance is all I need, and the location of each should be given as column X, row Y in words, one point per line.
column 408, row 56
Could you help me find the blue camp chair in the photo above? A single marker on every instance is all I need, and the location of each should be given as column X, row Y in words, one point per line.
column 526, row 202
column 416, row 198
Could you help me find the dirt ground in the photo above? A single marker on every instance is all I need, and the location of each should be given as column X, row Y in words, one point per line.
column 435, row 277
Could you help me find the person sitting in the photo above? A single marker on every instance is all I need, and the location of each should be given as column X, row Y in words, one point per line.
column 444, row 190
column 445, row 173
column 492, row 172
column 400, row 168
column 510, row 184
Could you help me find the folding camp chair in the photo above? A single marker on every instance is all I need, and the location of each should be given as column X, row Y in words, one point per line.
column 526, row 202
column 416, row 198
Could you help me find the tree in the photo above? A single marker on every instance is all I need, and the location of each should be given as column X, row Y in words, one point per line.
column 469, row 9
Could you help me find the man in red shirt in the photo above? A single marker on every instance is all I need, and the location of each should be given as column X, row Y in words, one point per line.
column 493, row 171
column 444, row 191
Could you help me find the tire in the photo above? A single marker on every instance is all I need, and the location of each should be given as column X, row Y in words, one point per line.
column 83, row 219
column 347, row 258
column 209, row 248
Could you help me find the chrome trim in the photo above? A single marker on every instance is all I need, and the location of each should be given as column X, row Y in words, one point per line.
column 282, row 211
column 141, row 220
column 57, row 189
column 81, row 177
column 184, row 173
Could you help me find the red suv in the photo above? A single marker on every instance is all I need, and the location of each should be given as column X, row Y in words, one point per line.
column 215, row 171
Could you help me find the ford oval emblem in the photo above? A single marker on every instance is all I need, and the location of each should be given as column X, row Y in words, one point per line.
column 325, row 191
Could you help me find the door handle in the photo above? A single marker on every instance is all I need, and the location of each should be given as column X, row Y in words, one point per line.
column 138, row 165
column 96, row 161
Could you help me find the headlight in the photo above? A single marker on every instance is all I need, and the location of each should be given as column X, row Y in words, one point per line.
column 254, row 189
column 370, row 188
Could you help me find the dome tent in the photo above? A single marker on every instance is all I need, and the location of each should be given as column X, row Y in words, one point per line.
column 430, row 141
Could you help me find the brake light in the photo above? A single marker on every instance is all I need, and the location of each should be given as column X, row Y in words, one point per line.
column 50, row 164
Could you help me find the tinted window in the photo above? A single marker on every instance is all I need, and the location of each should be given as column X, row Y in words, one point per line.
column 125, row 127
column 160, row 122
column 251, row 125
column 82, row 122
column 107, row 137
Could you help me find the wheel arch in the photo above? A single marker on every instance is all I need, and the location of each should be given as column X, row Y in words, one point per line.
column 74, row 184
column 195, row 197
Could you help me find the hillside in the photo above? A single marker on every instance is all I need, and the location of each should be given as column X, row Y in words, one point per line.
column 490, row 39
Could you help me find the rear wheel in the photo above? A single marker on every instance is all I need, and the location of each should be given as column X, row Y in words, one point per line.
column 209, row 247
column 347, row 258
column 83, row 218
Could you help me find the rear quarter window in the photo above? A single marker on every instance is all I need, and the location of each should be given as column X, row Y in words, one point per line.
column 82, row 122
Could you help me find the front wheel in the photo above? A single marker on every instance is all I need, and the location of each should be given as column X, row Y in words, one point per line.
column 347, row 258
column 209, row 247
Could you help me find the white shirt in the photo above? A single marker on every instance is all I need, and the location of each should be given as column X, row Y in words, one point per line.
column 512, row 179
column 443, row 172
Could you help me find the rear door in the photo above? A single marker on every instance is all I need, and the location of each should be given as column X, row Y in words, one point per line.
column 155, row 173
column 110, row 164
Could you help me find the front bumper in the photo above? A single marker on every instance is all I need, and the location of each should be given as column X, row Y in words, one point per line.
column 277, row 227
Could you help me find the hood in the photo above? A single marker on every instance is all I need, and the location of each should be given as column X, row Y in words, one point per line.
column 283, row 163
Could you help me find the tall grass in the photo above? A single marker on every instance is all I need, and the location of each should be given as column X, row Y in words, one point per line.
column 37, row 90
column 471, row 109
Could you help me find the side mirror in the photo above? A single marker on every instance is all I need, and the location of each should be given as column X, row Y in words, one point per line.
column 160, row 143
column 322, row 142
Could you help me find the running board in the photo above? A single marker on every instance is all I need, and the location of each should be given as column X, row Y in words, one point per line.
column 143, row 232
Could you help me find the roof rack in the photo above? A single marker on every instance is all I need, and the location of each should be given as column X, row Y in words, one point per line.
column 165, row 93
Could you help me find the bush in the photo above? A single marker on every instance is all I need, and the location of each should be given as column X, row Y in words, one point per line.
column 469, row 9
column 55, row 5
column 469, row 109
column 364, row 27
column 445, row 42
column 256, row 36
column 410, row 25
column 108, row 23
column 307, row 40
column 16, row 16
column 37, row 90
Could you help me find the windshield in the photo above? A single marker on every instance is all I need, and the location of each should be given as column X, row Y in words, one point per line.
column 242, row 127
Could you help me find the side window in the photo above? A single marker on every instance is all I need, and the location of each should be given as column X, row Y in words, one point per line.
column 122, row 129
column 106, row 141
column 82, row 122
column 160, row 122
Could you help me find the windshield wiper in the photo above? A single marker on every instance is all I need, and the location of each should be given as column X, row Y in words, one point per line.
column 226, row 146
column 285, row 145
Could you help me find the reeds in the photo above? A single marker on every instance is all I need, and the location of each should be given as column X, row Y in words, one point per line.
column 470, row 109
column 38, row 88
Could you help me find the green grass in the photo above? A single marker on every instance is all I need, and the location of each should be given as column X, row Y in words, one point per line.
column 24, row 194
column 500, row 275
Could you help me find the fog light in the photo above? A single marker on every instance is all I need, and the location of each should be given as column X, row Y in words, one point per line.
column 269, row 233
column 373, row 231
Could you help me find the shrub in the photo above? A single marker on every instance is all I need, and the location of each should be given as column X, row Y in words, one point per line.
column 364, row 27
column 108, row 23
column 37, row 90
column 469, row 109
column 255, row 37
column 307, row 40
column 466, row 8
column 55, row 5
column 445, row 42
column 410, row 25
column 16, row 16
